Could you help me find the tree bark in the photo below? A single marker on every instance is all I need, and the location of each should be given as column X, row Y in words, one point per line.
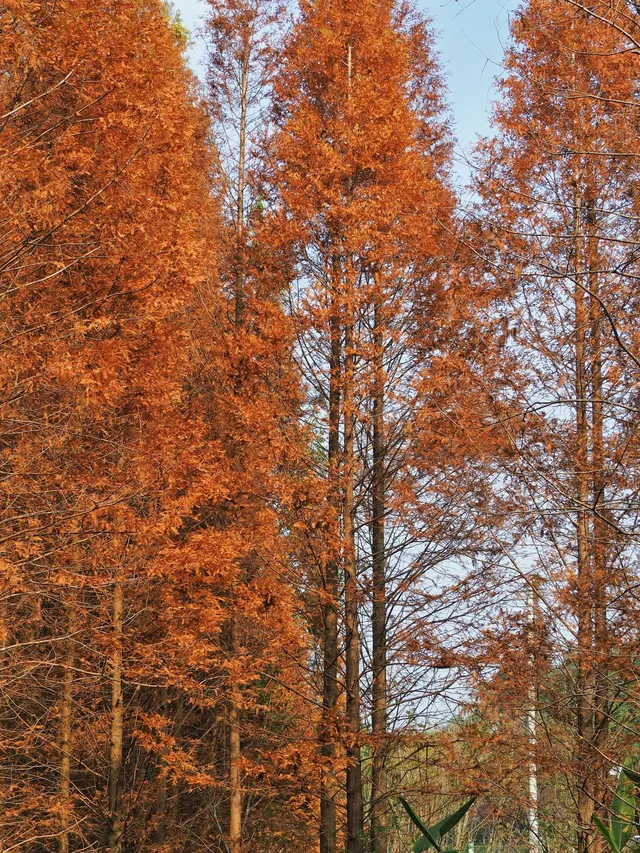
column 355, row 808
column 161, row 800
column 592, row 530
column 601, row 530
column 242, row 156
column 355, row 811
column 379, row 592
column 65, row 734
column 531, row 726
column 330, row 687
column 117, row 716
column 584, row 678
column 235, row 750
column 235, row 803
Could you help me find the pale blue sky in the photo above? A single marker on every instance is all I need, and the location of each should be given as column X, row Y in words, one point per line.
column 472, row 34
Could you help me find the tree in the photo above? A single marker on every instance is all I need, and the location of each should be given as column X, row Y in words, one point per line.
column 557, row 217
column 360, row 197
column 151, row 457
column 102, row 199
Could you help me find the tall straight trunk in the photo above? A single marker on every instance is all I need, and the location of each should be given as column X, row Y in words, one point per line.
column 116, row 822
column 600, row 527
column 584, row 799
column 235, row 752
column 65, row 734
column 379, row 592
column 531, row 724
column 242, row 156
column 235, row 804
column 355, row 806
column 161, row 799
column 330, row 688
column 355, row 810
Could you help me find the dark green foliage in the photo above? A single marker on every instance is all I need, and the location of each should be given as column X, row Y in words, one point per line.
column 433, row 835
column 623, row 823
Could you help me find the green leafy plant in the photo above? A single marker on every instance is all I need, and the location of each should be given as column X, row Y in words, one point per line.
column 623, row 822
column 432, row 836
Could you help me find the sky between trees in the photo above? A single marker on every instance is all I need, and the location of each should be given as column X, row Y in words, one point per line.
column 471, row 39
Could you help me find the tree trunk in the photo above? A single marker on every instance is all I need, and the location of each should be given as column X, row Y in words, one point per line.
column 328, row 841
column 355, row 808
column 115, row 770
column 65, row 734
column 242, row 156
column 161, row 799
column 235, row 753
column 584, row 678
column 355, row 811
column 235, row 803
column 379, row 617
column 531, row 726
column 601, row 531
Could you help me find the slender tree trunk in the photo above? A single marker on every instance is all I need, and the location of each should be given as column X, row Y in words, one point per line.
column 161, row 800
column 115, row 770
column 242, row 157
column 65, row 734
column 235, row 752
column 355, row 807
column 330, row 691
column 379, row 618
column 531, row 724
column 585, row 803
column 355, row 811
column 600, row 529
column 235, row 804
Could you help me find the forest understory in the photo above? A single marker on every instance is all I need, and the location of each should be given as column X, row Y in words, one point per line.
column 318, row 471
